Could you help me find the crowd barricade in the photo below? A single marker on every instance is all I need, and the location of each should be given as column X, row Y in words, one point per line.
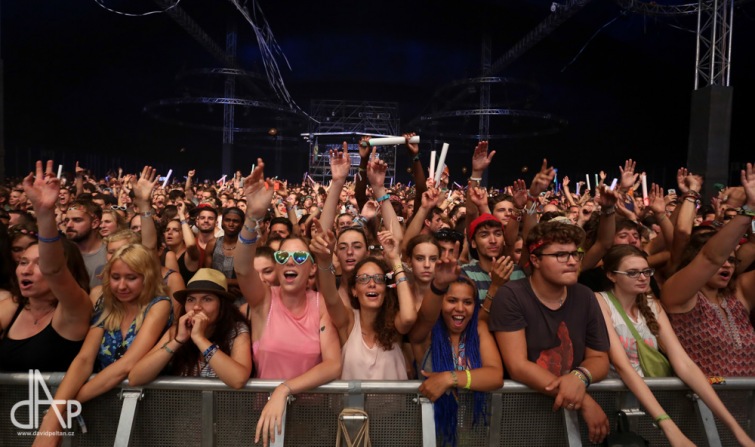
column 179, row 411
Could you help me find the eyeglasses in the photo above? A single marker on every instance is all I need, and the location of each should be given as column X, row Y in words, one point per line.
column 300, row 257
column 647, row 273
column 563, row 256
column 376, row 248
column 118, row 208
column 365, row 278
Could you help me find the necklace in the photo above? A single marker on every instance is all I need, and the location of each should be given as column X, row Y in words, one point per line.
column 37, row 320
column 229, row 248
column 727, row 321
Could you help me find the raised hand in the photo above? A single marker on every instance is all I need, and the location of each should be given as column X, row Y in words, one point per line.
column 481, row 158
column 42, row 188
column 258, row 194
column 191, row 173
column 412, row 148
column 655, row 200
column 364, row 147
column 681, row 174
column 376, row 169
column 79, row 170
column 430, row 198
column 519, row 193
column 479, row 196
column 447, row 270
column 390, row 245
column 693, row 182
column 340, row 163
column 607, row 197
column 542, row 179
column 602, row 175
column 146, row 183
column 322, row 244
column 565, row 181
column 628, row 176
column 748, row 182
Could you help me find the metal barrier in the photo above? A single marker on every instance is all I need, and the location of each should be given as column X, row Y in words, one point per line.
column 204, row 412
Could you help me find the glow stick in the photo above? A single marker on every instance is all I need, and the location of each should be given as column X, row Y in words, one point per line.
column 167, row 177
column 458, row 185
column 441, row 163
column 60, row 170
column 613, row 184
column 304, row 179
column 644, row 188
column 555, row 178
column 391, row 182
column 409, row 185
column 389, row 141
column 448, row 197
column 432, row 164
column 578, row 185
column 254, row 165
column 587, row 176
column 597, row 183
column 221, row 179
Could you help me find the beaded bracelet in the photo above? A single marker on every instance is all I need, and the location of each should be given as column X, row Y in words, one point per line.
column 468, row 385
column 580, row 376
column 48, row 240
column 586, row 372
column 209, row 352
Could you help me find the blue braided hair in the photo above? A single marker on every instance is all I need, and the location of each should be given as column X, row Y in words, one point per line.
column 446, row 407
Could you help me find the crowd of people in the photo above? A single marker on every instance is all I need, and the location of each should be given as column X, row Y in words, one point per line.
column 553, row 287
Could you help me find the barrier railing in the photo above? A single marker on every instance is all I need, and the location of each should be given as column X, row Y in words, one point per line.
column 204, row 412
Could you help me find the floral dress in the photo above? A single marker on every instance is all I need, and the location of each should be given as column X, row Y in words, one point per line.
column 114, row 344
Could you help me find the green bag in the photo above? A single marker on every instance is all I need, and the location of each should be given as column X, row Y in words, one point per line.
column 652, row 361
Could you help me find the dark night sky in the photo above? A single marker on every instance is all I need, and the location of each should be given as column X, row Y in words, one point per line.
column 77, row 78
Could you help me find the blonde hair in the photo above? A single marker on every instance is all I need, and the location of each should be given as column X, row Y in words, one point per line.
column 131, row 236
column 139, row 259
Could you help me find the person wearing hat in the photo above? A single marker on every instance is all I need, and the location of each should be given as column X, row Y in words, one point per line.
column 211, row 338
column 486, row 247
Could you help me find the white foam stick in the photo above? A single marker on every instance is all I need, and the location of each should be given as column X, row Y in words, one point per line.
column 448, row 197
column 167, row 177
column 254, row 165
column 390, row 141
column 391, row 182
column 221, row 179
column 613, row 184
column 587, row 176
column 644, row 188
column 578, row 185
column 597, row 183
column 441, row 163
column 60, row 170
column 432, row 164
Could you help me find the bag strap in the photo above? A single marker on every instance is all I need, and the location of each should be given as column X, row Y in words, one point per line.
column 623, row 314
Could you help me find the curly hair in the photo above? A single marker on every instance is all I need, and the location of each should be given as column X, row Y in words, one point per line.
column 547, row 233
column 611, row 262
column 383, row 326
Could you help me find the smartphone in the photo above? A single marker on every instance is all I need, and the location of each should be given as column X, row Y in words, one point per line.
column 671, row 192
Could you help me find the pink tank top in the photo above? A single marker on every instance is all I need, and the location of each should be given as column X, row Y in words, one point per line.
column 290, row 344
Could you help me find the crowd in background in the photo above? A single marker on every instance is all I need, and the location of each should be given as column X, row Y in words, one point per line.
column 547, row 283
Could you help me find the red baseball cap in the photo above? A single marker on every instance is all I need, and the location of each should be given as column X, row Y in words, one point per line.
column 487, row 217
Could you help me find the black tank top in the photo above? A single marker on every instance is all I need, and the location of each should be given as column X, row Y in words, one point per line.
column 46, row 351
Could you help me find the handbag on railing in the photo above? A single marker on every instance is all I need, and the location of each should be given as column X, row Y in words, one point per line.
column 362, row 436
column 623, row 436
column 652, row 361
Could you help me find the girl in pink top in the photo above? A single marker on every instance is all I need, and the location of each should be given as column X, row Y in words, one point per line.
column 292, row 335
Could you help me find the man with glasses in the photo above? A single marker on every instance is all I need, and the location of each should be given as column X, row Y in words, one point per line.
column 550, row 330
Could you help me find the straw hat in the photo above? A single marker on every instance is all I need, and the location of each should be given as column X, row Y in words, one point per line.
column 208, row 281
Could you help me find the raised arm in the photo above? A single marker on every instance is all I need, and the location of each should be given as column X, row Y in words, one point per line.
column 188, row 189
column 685, row 216
column 430, row 199
column 679, row 291
column 606, row 229
column 42, row 189
column 376, row 169
column 142, row 199
column 565, row 188
column 339, row 169
column 258, row 198
column 480, row 161
column 192, row 250
column 322, row 249
column 360, row 184
column 407, row 312
column 658, row 206
column 418, row 174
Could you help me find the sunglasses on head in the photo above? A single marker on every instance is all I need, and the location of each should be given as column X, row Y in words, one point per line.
column 300, row 257
column 446, row 234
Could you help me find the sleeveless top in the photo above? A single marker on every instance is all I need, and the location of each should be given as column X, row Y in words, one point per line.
column 625, row 335
column 114, row 344
column 361, row 362
column 720, row 340
column 222, row 262
column 290, row 344
column 45, row 351
column 184, row 271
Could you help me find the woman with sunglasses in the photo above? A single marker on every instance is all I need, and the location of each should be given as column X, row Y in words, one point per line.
column 292, row 336
column 44, row 324
column 707, row 301
column 369, row 330
column 627, row 269
column 456, row 348
column 111, row 222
